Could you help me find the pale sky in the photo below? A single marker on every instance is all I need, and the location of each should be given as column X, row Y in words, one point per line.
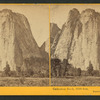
column 38, row 17
column 59, row 13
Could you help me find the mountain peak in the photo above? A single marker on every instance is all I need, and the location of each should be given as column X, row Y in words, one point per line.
column 6, row 11
column 88, row 12
column 74, row 13
column 88, row 15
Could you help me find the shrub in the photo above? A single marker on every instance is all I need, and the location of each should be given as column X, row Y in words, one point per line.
column 18, row 71
column 95, row 73
column 79, row 72
column 83, row 73
column 71, row 71
column 64, row 67
column 12, row 74
column 55, row 66
column 34, row 65
column 90, row 69
column 6, row 70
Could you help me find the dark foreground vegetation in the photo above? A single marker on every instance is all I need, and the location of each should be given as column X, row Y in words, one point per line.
column 64, row 69
column 65, row 74
column 33, row 67
column 34, row 73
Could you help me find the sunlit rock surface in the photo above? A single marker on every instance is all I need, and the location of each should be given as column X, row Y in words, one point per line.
column 16, row 40
column 79, row 40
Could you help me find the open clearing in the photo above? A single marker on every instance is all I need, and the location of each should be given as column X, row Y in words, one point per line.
column 27, row 81
column 76, row 81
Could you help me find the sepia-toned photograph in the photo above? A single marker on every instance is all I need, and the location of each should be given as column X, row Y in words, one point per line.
column 24, row 45
column 75, row 45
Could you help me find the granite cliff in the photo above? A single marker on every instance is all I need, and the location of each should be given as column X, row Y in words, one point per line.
column 16, row 40
column 79, row 39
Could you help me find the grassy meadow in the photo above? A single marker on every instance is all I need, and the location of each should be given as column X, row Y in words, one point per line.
column 23, row 81
column 76, row 81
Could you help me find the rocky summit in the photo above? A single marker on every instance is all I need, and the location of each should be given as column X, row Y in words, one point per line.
column 16, row 40
column 79, row 40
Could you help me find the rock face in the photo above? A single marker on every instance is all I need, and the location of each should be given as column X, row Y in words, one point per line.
column 45, row 49
column 45, row 46
column 79, row 41
column 54, row 36
column 16, row 40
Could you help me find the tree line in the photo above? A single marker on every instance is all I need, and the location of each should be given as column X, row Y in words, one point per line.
column 63, row 68
column 33, row 67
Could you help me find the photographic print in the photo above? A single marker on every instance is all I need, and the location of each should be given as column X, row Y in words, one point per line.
column 49, row 49
column 75, row 45
column 24, row 45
